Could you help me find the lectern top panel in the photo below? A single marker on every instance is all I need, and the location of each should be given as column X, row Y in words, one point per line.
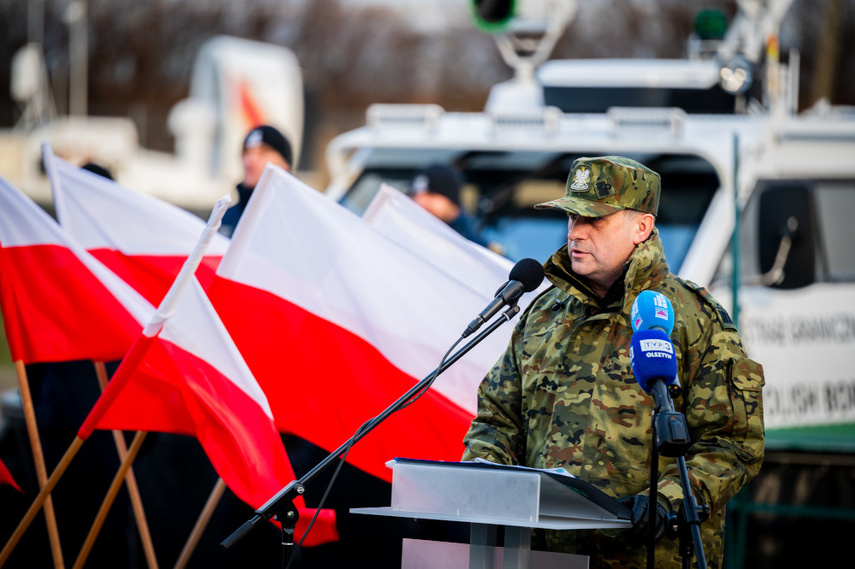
column 506, row 495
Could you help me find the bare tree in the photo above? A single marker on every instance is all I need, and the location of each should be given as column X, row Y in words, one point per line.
column 141, row 53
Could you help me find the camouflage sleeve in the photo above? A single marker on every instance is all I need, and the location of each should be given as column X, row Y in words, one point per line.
column 496, row 432
column 724, row 410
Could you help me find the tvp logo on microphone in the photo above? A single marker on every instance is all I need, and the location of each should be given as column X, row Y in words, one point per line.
column 656, row 348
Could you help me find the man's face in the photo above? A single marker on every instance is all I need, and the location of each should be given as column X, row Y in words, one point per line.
column 439, row 205
column 600, row 246
column 256, row 158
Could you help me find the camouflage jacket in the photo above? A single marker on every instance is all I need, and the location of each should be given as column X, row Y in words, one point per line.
column 564, row 395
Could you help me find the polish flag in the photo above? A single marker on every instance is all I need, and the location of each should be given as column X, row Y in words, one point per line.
column 184, row 375
column 59, row 303
column 142, row 239
column 6, row 477
column 337, row 321
column 395, row 215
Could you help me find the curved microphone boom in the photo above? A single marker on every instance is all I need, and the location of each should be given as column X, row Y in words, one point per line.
column 652, row 312
column 526, row 276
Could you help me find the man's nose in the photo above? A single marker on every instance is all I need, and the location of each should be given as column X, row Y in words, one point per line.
column 575, row 229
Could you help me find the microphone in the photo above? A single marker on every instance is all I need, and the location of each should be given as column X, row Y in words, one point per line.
column 652, row 311
column 654, row 364
column 526, row 276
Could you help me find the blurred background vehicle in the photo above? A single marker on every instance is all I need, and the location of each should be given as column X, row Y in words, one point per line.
column 235, row 85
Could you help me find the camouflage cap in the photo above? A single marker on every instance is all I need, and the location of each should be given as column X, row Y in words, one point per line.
column 607, row 184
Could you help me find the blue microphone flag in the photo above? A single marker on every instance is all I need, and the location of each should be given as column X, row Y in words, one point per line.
column 652, row 311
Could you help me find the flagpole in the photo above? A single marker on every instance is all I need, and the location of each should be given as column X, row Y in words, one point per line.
column 133, row 488
column 39, row 459
column 43, row 496
column 201, row 524
column 109, row 499
column 166, row 308
column 130, row 361
column 188, row 269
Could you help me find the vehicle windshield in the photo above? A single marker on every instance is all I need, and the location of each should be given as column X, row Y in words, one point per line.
column 503, row 187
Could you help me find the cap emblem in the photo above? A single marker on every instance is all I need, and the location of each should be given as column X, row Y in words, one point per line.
column 580, row 180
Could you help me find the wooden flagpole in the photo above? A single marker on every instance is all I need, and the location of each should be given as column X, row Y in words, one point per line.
column 39, row 459
column 43, row 498
column 44, row 495
column 201, row 524
column 131, row 481
column 109, row 498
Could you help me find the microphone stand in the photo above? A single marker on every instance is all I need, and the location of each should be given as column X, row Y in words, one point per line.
column 282, row 506
column 671, row 438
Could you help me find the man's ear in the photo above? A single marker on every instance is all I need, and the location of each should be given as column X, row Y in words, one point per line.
column 643, row 227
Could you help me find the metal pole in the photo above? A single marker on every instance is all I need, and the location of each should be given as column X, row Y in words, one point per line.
column 734, row 244
column 78, row 48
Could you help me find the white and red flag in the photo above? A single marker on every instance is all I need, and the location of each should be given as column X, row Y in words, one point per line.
column 58, row 302
column 143, row 239
column 398, row 217
column 337, row 321
column 184, row 375
column 395, row 215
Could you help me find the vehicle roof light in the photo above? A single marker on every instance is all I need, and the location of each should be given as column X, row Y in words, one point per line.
column 736, row 75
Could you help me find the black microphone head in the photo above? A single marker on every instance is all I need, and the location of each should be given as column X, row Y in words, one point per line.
column 529, row 272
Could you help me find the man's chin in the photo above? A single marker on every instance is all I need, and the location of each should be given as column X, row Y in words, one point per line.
column 580, row 264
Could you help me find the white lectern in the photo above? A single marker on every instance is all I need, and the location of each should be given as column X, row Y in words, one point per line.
column 489, row 495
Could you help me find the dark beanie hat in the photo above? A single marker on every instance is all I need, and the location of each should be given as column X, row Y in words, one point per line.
column 266, row 134
column 438, row 179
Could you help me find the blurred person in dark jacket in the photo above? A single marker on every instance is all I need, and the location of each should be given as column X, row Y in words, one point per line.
column 437, row 189
column 262, row 146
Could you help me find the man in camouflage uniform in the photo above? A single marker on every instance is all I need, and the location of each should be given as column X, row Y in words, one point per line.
column 563, row 394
